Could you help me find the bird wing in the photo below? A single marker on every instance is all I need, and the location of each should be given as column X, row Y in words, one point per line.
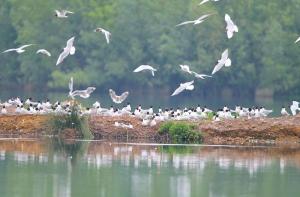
column 107, row 36
column 201, row 76
column 217, row 67
column 71, row 85
column 70, row 43
column 140, row 68
column 24, row 46
column 112, row 95
column 185, row 23
column 44, row 51
column 90, row 90
column 224, row 56
column 297, row 40
column 203, row 17
column 204, row 1
column 123, row 96
column 178, row 90
column 9, row 50
column 62, row 56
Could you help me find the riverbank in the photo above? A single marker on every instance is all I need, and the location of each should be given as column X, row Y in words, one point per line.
column 282, row 130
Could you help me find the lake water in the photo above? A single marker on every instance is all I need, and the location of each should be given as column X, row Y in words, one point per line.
column 89, row 168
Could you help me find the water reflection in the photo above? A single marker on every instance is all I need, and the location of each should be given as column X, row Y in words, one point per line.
column 68, row 168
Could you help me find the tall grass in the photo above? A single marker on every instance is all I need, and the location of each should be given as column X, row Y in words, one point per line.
column 61, row 122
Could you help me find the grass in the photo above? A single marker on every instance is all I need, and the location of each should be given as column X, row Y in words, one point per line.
column 181, row 132
column 59, row 123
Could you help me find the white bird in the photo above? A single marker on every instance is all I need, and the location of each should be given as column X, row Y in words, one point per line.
column 82, row 93
column 68, row 50
column 118, row 99
column 205, row 1
column 62, row 13
column 184, row 86
column 231, row 27
column 294, row 108
column 145, row 67
column 223, row 61
column 44, row 51
column 106, row 33
column 18, row 50
column 185, row 68
column 284, row 112
column 195, row 22
column 200, row 76
column 297, row 40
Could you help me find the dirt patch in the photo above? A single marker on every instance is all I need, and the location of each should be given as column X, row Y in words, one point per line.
column 23, row 125
column 283, row 130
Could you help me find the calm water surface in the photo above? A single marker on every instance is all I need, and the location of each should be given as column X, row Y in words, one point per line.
column 55, row 168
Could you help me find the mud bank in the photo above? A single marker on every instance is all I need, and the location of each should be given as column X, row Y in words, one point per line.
column 282, row 130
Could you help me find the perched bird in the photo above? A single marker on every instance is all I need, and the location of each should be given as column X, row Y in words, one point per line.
column 297, row 40
column 43, row 51
column 18, row 50
column 294, row 107
column 284, row 112
column 185, row 68
column 145, row 67
column 62, row 13
column 231, row 27
column 184, row 86
column 205, row 1
column 195, row 22
column 200, row 76
column 68, row 50
column 118, row 99
column 106, row 33
column 223, row 61
column 82, row 93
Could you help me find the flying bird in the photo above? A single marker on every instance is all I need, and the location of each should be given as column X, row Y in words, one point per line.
column 230, row 27
column 145, row 67
column 185, row 68
column 68, row 50
column 62, row 13
column 205, row 1
column 44, row 51
column 106, row 33
column 195, row 22
column 18, row 50
column 118, row 99
column 82, row 93
column 223, row 61
column 201, row 76
column 184, row 86
column 297, row 40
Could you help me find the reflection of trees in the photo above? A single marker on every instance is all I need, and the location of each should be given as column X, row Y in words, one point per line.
column 69, row 148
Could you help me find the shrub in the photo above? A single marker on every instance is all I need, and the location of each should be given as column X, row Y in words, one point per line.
column 59, row 123
column 181, row 132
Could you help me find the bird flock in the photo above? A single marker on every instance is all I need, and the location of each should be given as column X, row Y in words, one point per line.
column 191, row 113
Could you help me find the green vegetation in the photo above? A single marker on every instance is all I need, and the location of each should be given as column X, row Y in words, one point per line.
column 181, row 132
column 263, row 52
column 79, row 124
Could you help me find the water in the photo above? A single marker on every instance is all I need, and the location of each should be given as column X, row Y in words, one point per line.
column 55, row 168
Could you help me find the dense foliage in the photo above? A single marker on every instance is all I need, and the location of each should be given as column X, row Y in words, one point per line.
column 181, row 132
column 263, row 53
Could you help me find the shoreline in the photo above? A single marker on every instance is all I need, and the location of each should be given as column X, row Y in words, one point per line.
column 283, row 131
